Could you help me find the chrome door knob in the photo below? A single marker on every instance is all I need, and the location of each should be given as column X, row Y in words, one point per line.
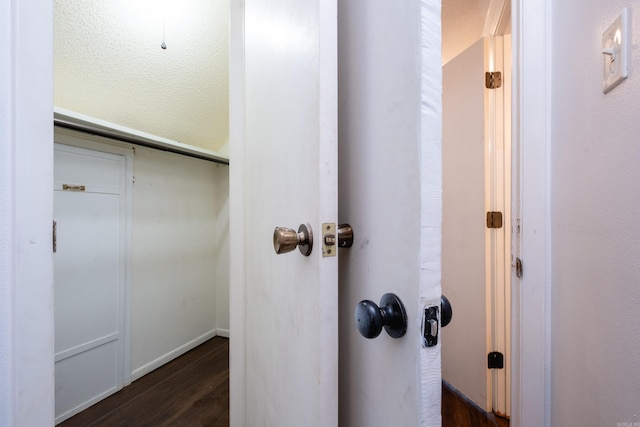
column 391, row 314
column 286, row 239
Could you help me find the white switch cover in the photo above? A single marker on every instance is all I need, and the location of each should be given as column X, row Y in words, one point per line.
column 615, row 46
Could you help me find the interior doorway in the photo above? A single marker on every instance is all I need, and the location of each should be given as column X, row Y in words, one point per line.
column 477, row 207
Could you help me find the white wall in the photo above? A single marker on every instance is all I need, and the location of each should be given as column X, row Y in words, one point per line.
column 595, row 222
column 178, row 210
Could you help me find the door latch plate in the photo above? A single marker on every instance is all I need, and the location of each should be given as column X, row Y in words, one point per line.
column 329, row 240
column 430, row 326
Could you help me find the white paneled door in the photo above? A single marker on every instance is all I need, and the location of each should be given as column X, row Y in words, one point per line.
column 284, row 330
column 89, row 272
column 297, row 358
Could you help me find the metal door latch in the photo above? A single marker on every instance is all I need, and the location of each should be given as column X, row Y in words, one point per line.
column 55, row 236
column 330, row 243
column 430, row 326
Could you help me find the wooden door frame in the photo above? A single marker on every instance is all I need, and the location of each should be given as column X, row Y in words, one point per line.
column 26, row 205
column 237, row 275
column 26, row 270
column 531, row 362
column 498, row 241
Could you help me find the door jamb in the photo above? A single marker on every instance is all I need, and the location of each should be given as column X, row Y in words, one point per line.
column 237, row 312
column 26, row 202
column 498, row 241
column 530, row 206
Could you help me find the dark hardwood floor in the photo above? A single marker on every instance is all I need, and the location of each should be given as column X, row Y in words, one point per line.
column 192, row 390
column 458, row 411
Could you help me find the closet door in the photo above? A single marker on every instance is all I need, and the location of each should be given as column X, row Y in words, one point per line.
column 89, row 271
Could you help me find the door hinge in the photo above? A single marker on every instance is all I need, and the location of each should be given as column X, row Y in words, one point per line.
column 55, row 236
column 493, row 79
column 494, row 219
column 495, row 360
column 518, row 268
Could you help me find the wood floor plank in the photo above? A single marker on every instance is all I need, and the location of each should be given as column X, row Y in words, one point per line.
column 458, row 411
column 192, row 390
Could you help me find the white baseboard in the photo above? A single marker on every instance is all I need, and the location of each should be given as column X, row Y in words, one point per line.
column 155, row 364
column 222, row 333
column 70, row 413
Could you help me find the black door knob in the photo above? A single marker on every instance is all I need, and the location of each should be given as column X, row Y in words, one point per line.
column 391, row 314
column 447, row 311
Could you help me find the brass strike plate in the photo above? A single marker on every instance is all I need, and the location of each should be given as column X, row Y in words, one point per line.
column 329, row 240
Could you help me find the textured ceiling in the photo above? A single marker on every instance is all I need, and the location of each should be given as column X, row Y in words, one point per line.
column 109, row 64
column 463, row 23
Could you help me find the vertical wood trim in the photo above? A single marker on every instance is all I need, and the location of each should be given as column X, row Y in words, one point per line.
column 128, row 263
column 26, row 200
column 531, row 307
column 498, row 198
column 507, row 82
column 237, row 281
column 490, row 132
column 328, row 207
column 430, row 377
column 7, row 238
column 495, row 17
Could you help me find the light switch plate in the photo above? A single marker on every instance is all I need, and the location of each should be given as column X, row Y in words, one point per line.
column 615, row 46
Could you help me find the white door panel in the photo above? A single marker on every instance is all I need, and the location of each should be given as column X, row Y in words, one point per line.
column 98, row 174
column 290, row 174
column 86, row 377
column 87, row 267
column 381, row 154
column 88, row 277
